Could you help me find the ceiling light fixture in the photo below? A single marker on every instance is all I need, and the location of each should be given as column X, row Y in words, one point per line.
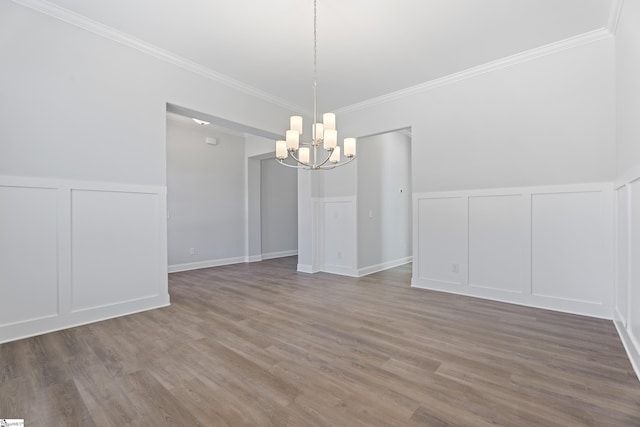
column 200, row 122
column 324, row 133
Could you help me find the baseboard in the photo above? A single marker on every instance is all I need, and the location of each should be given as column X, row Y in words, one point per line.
column 59, row 322
column 581, row 308
column 342, row 271
column 205, row 264
column 384, row 266
column 253, row 258
column 352, row 272
column 618, row 317
column 631, row 347
column 281, row 254
column 306, row 268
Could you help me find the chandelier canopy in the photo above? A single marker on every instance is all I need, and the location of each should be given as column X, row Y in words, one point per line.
column 324, row 133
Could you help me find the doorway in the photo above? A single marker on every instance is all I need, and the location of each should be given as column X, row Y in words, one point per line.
column 384, row 201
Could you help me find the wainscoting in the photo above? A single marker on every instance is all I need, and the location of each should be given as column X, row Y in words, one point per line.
column 77, row 252
column 340, row 240
column 627, row 280
column 549, row 247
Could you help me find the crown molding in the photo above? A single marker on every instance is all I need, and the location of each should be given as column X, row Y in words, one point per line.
column 505, row 62
column 406, row 132
column 614, row 16
column 110, row 33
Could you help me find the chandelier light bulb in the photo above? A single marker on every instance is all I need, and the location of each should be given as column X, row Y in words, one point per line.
column 293, row 140
column 295, row 123
column 329, row 121
column 330, row 138
column 335, row 155
column 318, row 132
column 304, row 155
column 349, row 147
column 281, row 150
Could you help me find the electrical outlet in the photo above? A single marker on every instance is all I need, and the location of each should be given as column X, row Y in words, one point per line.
column 455, row 268
column 192, row 251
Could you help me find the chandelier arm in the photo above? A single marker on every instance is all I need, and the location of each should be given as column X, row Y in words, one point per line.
column 295, row 158
column 350, row 159
column 302, row 166
column 326, row 168
column 282, row 162
column 327, row 159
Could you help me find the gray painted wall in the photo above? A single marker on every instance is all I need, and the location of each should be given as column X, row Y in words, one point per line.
column 384, row 212
column 205, row 193
column 212, row 199
column 278, row 209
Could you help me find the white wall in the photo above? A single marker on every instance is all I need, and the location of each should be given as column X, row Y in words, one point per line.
column 339, row 244
column 95, row 99
column 627, row 62
column 252, row 211
column 543, row 118
column 310, row 221
column 627, row 284
column 73, row 252
column 80, row 107
column 542, row 121
column 384, row 201
column 549, row 247
column 334, row 214
column 256, row 149
column 205, row 195
column 278, row 210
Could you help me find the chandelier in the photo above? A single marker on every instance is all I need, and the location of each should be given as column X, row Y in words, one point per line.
column 310, row 155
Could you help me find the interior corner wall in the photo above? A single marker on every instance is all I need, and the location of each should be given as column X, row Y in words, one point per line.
column 627, row 283
column 84, row 157
column 205, row 196
column 384, row 201
column 532, row 143
column 279, row 209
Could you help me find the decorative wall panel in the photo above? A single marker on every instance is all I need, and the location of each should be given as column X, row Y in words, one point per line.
column 549, row 247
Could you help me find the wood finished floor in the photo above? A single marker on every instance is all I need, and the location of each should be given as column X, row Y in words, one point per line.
column 259, row 344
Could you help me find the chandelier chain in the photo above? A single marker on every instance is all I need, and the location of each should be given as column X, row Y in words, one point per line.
column 315, row 61
column 315, row 41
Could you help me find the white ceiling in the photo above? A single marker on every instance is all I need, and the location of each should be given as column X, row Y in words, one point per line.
column 365, row 48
